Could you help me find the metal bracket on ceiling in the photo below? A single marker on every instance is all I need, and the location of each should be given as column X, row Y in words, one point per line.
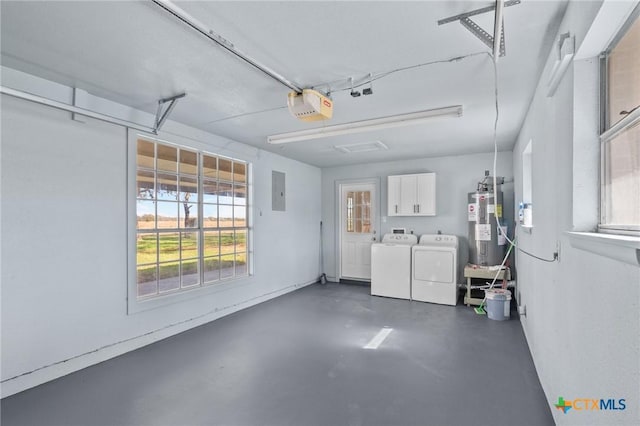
column 161, row 117
column 484, row 36
column 476, row 30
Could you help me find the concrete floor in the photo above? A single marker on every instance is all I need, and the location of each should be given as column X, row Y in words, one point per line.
column 298, row 360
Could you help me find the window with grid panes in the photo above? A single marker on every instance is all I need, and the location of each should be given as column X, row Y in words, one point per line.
column 359, row 212
column 620, row 139
column 191, row 210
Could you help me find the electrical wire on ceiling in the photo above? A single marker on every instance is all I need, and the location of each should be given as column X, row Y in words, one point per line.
column 347, row 86
column 344, row 84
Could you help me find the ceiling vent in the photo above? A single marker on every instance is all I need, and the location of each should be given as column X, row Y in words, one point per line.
column 310, row 105
column 361, row 147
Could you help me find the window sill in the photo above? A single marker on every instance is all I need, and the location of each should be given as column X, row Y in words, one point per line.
column 136, row 305
column 619, row 247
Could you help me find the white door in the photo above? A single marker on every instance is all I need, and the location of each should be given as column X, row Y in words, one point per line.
column 357, row 233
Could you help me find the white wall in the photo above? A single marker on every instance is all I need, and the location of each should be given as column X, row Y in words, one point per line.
column 455, row 177
column 64, row 239
column 582, row 314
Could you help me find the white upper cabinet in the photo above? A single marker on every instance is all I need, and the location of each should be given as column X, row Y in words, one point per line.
column 412, row 195
column 393, row 195
column 426, row 194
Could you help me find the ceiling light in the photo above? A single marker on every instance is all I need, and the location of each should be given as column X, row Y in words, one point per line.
column 388, row 122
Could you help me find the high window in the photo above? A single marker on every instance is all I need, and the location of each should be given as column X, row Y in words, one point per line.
column 191, row 227
column 620, row 138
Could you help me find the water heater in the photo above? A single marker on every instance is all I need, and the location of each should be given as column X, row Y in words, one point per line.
column 486, row 245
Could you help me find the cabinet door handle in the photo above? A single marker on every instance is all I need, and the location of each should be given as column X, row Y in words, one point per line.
column 418, row 208
column 396, row 208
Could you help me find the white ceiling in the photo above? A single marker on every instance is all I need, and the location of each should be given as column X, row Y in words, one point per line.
column 136, row 53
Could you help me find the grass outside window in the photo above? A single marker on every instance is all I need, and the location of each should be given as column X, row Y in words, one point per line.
column 191, row 210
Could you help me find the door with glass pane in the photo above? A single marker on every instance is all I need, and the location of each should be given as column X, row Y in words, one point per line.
column 357, row 233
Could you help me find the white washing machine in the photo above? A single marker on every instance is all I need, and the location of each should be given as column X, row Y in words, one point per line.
column 391, row 266
column 435, row 269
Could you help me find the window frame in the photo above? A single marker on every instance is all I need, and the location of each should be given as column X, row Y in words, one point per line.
column 134, row 302
column 608, row 132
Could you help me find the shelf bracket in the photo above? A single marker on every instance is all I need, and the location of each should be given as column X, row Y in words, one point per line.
column 161, row 117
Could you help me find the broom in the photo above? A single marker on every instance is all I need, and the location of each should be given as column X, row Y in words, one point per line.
column 323, row 276
column 480, row 309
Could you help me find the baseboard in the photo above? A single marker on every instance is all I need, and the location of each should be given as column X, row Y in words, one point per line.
column 62, row 368
column 543, row 384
